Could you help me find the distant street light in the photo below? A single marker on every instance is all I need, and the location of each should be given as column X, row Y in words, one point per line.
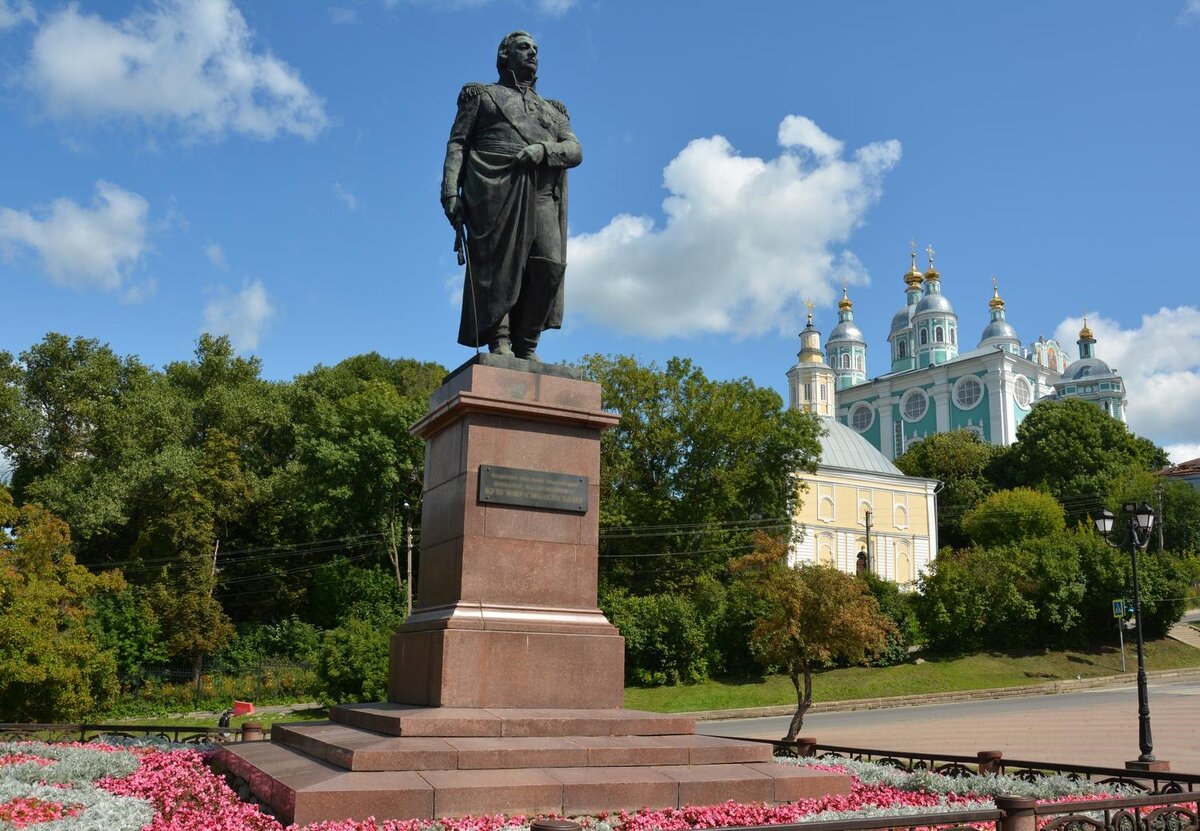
column 1139, row 519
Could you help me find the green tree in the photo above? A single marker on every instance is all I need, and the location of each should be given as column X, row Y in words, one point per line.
column 1074, row 450
column 813, row 615
column 1012, row 515
column 959, row 460
column 693, row 465
column 51, row 666
column 1180, row 518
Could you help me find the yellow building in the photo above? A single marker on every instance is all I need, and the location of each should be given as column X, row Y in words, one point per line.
column 858, row 511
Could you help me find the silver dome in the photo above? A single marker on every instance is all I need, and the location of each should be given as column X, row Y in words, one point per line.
column 846, row 330
column 844, row 448
column 936, row 302
column 902, row 319
column 999, row 329
column 1086, row 368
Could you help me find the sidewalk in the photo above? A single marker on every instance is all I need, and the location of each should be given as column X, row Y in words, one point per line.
column 1048, row 688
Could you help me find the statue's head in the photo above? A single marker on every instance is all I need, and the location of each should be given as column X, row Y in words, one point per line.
column 517, row 52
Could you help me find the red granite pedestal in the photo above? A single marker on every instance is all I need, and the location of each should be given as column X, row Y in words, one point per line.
column 506, row 683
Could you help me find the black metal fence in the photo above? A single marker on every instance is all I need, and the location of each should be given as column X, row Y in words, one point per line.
column 12, row 732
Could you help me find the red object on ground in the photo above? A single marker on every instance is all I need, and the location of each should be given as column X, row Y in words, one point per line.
column 243, row 708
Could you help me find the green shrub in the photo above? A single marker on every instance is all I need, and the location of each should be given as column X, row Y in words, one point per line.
column 897, row 606
column 1012, row 515
column 353, row 662
column 664, row 638
column 289, row 640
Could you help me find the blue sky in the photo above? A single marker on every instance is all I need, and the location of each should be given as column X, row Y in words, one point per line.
column 271, row 171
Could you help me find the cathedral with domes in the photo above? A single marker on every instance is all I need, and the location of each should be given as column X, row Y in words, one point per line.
column 933, row 387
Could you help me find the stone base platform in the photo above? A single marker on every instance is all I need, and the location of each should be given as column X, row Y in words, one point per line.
column 397, row 761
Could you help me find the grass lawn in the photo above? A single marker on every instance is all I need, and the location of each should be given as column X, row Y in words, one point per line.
column 937, row 674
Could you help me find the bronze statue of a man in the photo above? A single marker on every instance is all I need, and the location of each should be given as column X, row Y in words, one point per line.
column 505, row 181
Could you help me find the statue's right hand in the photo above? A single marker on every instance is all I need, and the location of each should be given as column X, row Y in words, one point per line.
column 452, row 205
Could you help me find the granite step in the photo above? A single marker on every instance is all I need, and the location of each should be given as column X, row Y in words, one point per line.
column 305, row 790
column 354, row 748
column 443, row 722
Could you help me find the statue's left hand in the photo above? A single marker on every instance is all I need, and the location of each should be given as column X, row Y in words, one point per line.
column 530, row 156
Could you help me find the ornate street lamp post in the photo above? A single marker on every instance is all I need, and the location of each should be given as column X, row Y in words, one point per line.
column 1139, row 519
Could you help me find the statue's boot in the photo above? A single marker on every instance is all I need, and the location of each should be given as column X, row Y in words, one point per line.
column 539, row 293
column 498, row 341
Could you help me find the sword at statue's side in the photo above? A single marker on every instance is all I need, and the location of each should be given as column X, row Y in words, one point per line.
column 464, row 259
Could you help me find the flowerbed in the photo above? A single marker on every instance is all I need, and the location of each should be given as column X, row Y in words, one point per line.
column 109, row 788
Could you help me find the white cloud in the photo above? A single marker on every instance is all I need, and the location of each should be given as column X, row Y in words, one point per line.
column 345, row 197
column 1190, row 12
column 798, row 131
column 745, row 238
column 342, row 16
column 1179, row 453
column 13, row 12
column 242, row 316
column 555, row 7
column 216, row 255
column 187, row 63
column 1160, row 362
column 82, row 247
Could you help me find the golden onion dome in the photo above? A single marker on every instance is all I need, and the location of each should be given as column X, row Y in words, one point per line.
column 1086, row 333
column 845, row 304
column 932, row 273
column 913, row 277
column 997, row 302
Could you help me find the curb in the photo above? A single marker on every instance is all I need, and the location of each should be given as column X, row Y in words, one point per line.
column 1048, row 688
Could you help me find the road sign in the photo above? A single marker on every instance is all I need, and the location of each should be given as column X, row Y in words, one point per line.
column 1118, row 608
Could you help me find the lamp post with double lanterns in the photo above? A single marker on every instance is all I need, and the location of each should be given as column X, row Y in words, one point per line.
column 1139, row 520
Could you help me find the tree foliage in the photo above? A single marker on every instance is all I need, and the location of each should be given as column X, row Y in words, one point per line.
column 959, row 460
column 51, row 666
column 152, row 468
column 1073, row 448
column 1009, row 516
column 692, row 466
column 812, row 615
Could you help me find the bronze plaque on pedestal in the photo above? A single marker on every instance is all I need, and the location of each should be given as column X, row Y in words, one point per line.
column 533, row 488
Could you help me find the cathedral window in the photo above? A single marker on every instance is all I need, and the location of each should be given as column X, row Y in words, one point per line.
column 862, row 417
column 939, row 336
column 914, row 405
column 845, row 361
column 967, row 392
column 924, row 337
column 859, row 361
column 903, row 349
column 1023, row 392
column 953, row 336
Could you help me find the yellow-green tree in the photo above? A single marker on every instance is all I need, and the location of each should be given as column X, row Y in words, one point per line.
column 810, row 616
column 51, row 667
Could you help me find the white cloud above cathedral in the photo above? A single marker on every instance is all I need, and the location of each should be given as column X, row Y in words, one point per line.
column 744, row 241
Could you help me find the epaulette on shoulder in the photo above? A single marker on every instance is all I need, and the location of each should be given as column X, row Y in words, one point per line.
column 558, row 105
column 469, row 91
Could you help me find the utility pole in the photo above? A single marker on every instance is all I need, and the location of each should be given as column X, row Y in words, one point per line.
column 393, row 552
column 869, row 564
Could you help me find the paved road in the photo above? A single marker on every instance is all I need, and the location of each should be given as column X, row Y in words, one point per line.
column 1096, row 727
